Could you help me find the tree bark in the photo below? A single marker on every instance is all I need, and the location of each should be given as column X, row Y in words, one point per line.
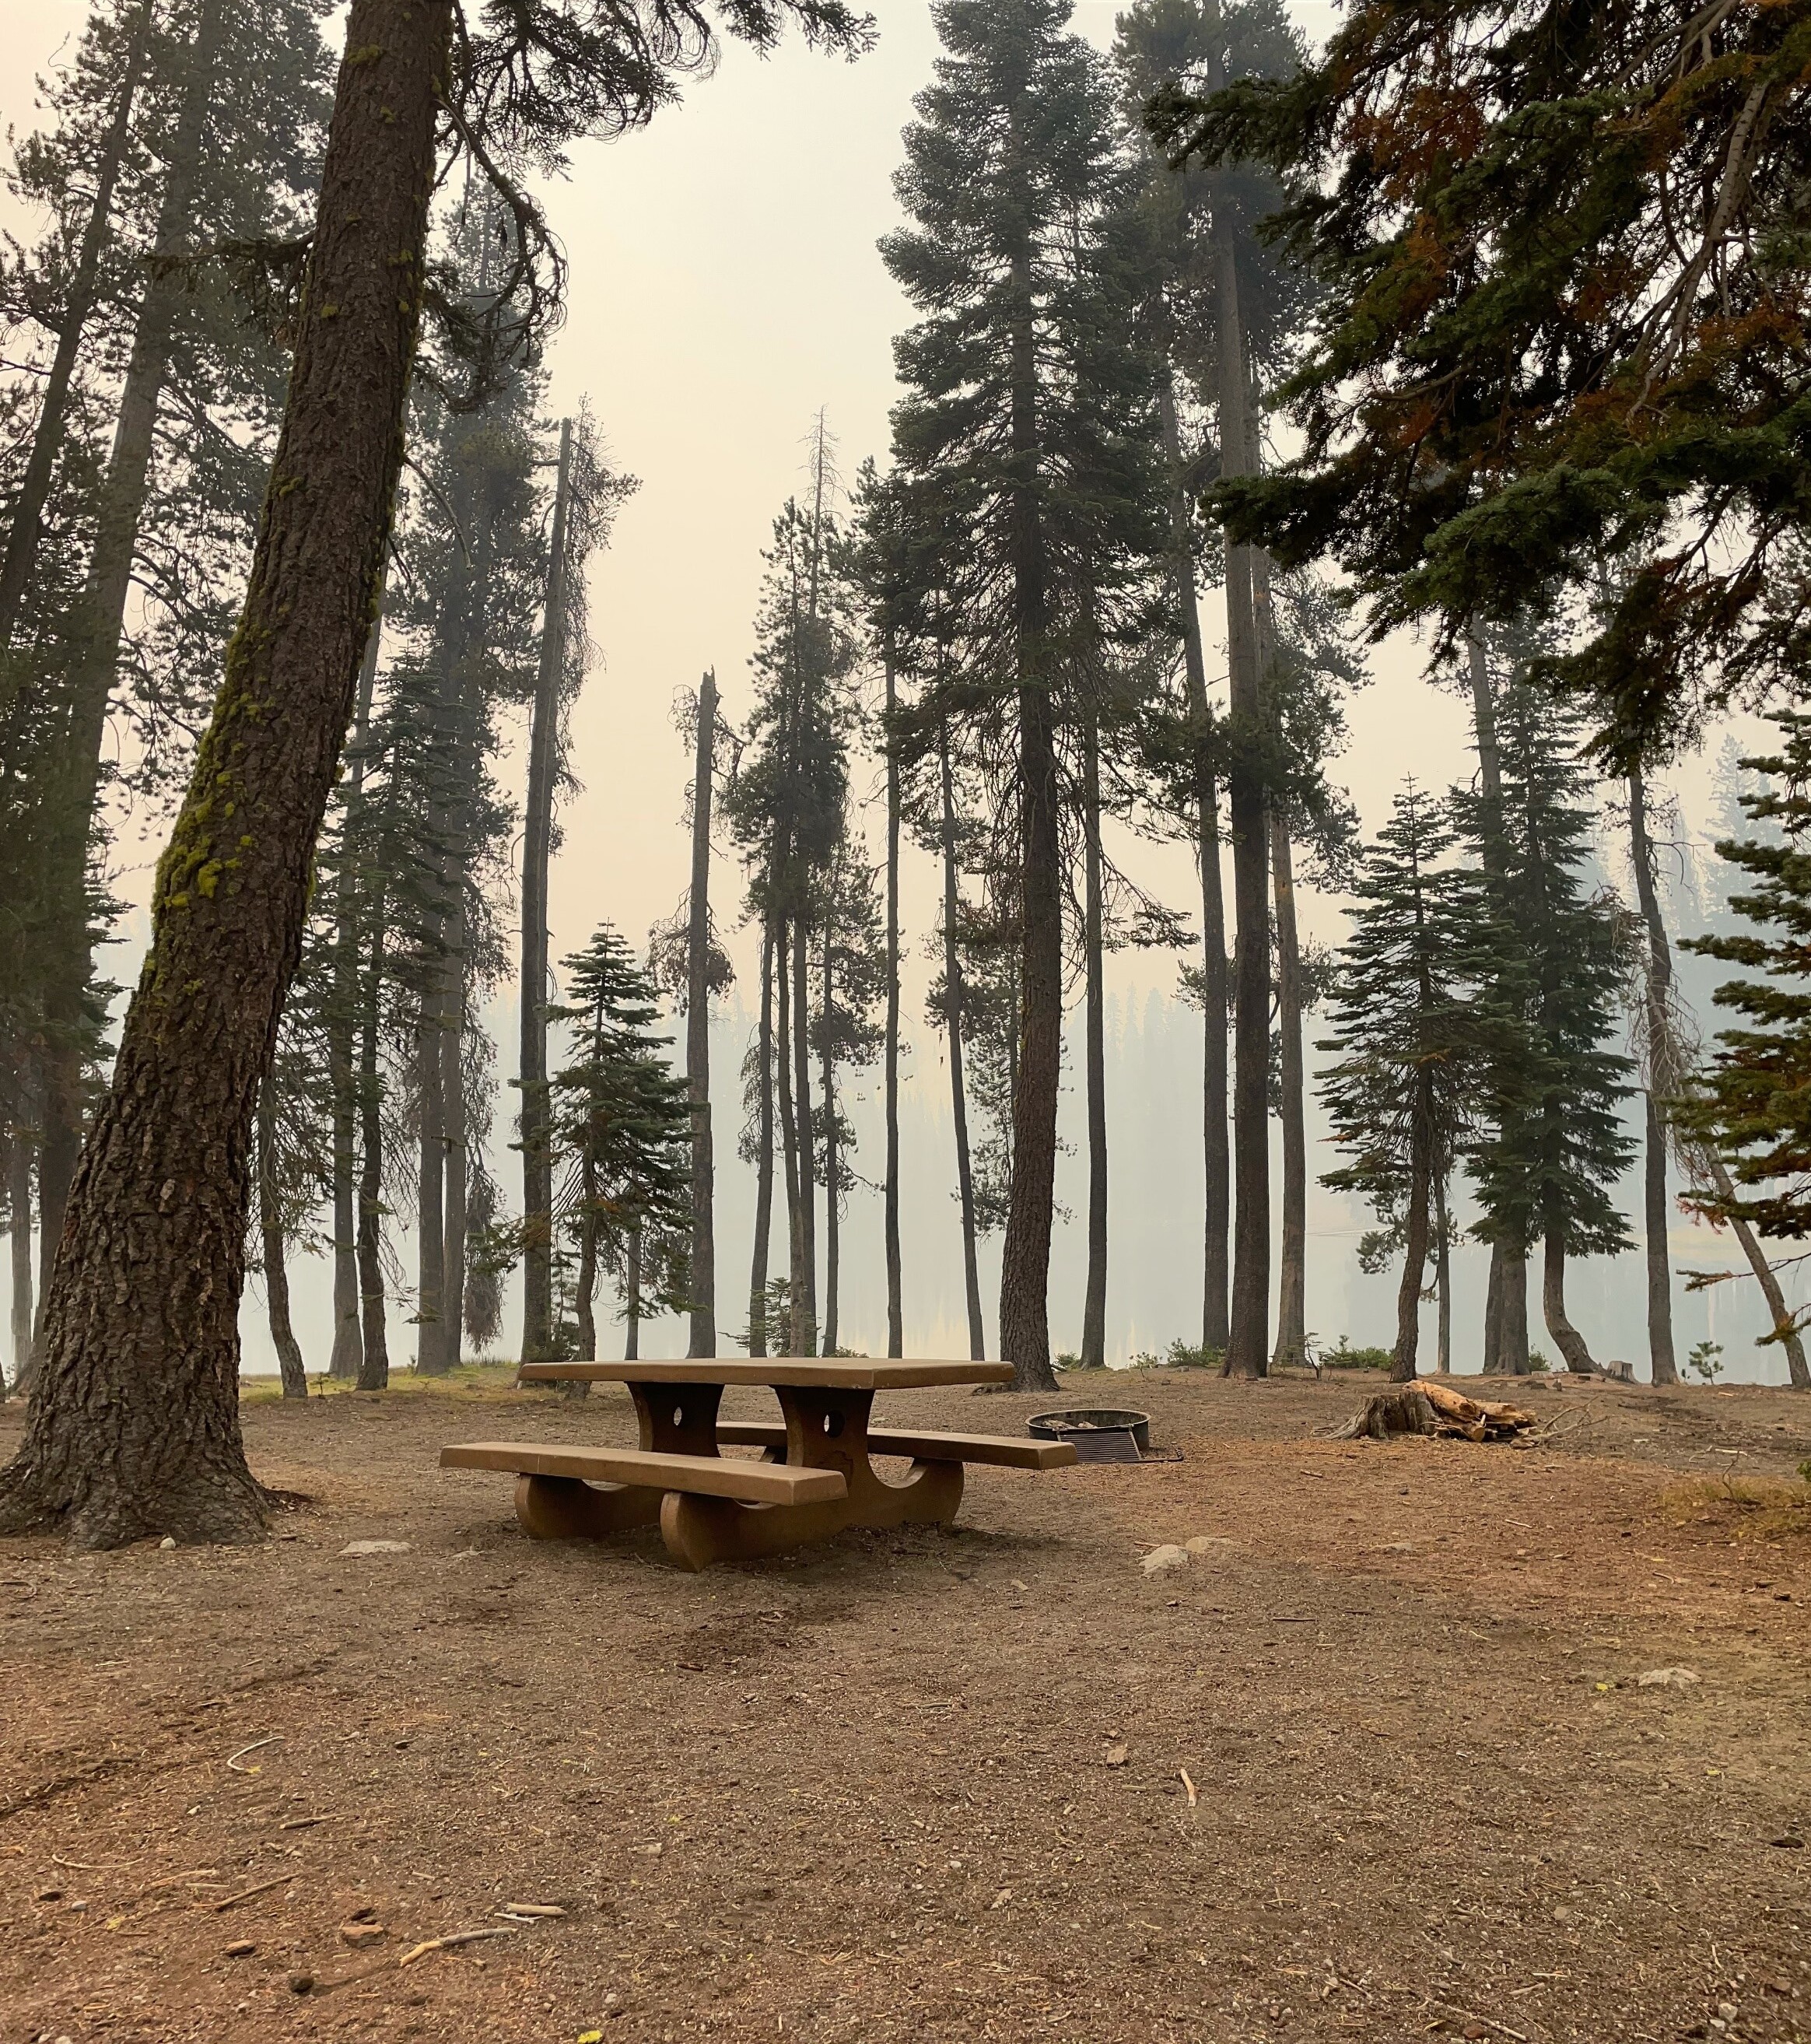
column 536, row 1108
column 1513, row 1359
column 1094, row 1309
column 276, row 1272
column 1216, row 1161
column 1024, row 1256
column 1404, row 1359
column 763, row 1153
column 704, row 1276
column 1504, row 1351
column 585, row 1283
column 1567, row 1338
column 347, row 1351
column 1443, row 1279
column 19, row 1147
column 456, row 1167
column 373, row 1337
column 832, row 1162
column 1291, row 1349
column 135, row 1427
column 789, row 1130
column 98, row 624
column 890, row 1185
column 1493, row 1362
column 1656, row 989
column 1246, row 1348
column 431, row 1181
column 26, row 530
column 632, row 1300
column 1796, row 1368
column 958, row 1092
column 804, row 1341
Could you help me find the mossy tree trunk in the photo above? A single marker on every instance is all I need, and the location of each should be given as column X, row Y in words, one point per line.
column 134, row 1430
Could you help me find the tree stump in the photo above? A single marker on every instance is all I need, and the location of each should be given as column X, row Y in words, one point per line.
column 1406, row 1410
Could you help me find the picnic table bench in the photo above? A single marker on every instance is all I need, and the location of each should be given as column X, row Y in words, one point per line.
column 815, row 1478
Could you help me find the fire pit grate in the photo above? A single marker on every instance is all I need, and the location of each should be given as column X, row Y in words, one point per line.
column 1098, row 1434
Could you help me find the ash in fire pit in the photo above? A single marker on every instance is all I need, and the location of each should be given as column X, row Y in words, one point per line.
column 1098, row 1434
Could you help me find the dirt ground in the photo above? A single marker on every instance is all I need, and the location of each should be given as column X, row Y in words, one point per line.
column 930, row 1785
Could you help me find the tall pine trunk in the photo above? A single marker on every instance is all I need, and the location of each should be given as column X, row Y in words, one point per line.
column 373, row 1336
column 1443, row 1276
column 1512, row 1356
column 19, row 1144
column 1405, row 1357
column 958, row 1093
column 805, row 1265
column 536, row 1108
column 1291, row 1348
column 890, row 1183
column 347, row 1351
column 1024, row 1256
column 431, row 1179
column 1656, row 992
column 26, row 530
column 1247, row 1348
column 134, row 1430
column 632, row 1299
column 788, row 1132
column 1567, row 1338
column 1217, row 1166
column 585, row 1282
column 97, row 627
column 1506, row 1298
column 832, row 1160
column 276, row 1271
column 704, row 1274
column 1094, row 1309
column 1796, row 1368
column 763, row 1152
column 456, row 1168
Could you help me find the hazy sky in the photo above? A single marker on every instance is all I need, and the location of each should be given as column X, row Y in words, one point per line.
column 726, row 285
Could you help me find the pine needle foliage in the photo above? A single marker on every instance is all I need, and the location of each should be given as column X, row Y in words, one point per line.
column 1564, row 253
column 1754, row 1101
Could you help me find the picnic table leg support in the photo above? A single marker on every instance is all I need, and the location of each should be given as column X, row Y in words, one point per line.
column 561, row 1508
column 701, row 1530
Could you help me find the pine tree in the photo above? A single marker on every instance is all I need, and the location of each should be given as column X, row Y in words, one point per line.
column 1564, row 268
column 1658, row 1087
column 1222, row 304
column 135, row 1425
column 622, row 1128
column 227, row 111
column 788, row 809
column 1754, row 1091
column 1547, row 974
column 587, row 496
column 1024, row 445
column 1407, row 1043
column 852, row 947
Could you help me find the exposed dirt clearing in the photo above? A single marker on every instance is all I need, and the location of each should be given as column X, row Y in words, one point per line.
column 875, row 1790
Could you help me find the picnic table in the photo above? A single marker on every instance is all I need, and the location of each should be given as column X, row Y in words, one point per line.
column 814, row 1477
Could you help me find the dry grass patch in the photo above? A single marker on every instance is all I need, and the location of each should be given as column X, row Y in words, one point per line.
column 1742, row 1508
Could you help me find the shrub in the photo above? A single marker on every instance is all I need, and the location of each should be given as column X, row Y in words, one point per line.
column 1705, row 1361
column 1179, row 1355
column 1342, row 1355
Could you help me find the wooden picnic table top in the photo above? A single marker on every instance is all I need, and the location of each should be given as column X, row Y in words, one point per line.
column 827, row 1373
